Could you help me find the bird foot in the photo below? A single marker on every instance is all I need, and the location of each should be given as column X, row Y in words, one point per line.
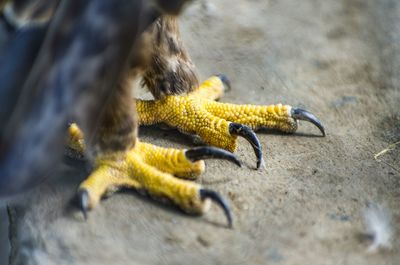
column 163, row 173
column 219, row 124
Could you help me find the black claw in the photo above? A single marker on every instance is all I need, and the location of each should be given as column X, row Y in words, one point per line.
column 83, row 200
column 225, row 80
column 218, row 199
column 247, row 133
column 300, row 114
column 208, row 152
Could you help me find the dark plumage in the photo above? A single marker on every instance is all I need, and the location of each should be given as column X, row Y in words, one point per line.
column 80, row 55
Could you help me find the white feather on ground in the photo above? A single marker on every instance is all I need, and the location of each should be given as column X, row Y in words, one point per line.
column 377, row 220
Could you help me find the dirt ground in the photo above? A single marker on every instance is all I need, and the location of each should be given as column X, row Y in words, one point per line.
column 338, row 59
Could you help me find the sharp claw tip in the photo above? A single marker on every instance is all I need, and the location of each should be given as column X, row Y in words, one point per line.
column 261, row 163
column 218, row 199
column 300, row 114
column 247, row 133
column 83, row 198
column 237, row 162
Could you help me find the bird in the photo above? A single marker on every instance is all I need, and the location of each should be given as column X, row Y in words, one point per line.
column 66, row 69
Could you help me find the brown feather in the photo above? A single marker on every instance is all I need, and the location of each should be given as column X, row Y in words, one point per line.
column 82, row 71
column 170, row 70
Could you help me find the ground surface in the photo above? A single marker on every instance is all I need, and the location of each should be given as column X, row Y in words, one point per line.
column 338, row 59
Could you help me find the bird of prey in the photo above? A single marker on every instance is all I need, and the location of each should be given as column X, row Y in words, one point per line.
column 65, row 72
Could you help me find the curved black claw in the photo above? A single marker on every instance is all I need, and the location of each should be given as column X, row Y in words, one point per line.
column 225, row 80
column 83, row 201
column 218, row 199
column 300, row 114
column 247, row 133
column 208, row 152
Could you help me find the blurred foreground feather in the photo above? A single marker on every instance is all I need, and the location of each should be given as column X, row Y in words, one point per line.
column 377, row 220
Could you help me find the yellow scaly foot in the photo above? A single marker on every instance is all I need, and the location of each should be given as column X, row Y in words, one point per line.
column 161, row 172
column 219, row 124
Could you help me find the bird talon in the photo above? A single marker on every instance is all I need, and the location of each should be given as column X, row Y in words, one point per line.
column 300, row 114
column 218, row 199
column 225, row 81
column 247, row 133
column 209, row 152
column 83, row 201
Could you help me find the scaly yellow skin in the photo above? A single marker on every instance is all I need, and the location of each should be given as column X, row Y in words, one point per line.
column 130, row 169
column 155, row 169
column 150, row 168
column 199, row 113
column 168, row 160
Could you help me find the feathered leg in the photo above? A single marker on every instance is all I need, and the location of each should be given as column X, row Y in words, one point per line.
column 123, row 161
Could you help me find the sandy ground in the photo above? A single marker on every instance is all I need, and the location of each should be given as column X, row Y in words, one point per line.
column 338, row 59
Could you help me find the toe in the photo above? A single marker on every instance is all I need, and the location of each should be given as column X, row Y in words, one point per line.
column 170, row 160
